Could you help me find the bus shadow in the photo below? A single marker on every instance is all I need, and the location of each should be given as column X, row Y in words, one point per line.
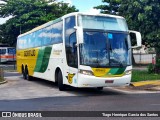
column 78, row 91
column 93, row 91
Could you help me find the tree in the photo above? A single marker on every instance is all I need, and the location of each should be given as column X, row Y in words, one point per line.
column 144, row 16
column 111, row 6
column 28, row 14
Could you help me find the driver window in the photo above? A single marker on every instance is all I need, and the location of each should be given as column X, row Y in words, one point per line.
column 73, row 61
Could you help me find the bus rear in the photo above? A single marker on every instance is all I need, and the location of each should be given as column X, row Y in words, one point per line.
column 7, row 54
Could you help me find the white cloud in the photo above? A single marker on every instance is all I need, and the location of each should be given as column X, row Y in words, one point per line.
column 2, row 2
column 3, row 20
column 50, row 35
column 93, row 11
column 66, row 1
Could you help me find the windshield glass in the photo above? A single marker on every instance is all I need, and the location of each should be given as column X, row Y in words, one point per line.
column 102, row 22
column 102, row 49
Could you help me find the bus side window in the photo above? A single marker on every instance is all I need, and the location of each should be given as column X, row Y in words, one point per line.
column 56, row 33
column 44, row 37
column 69, row 33
column 38, row 39
column 72, row 52
column 3, row 51
column 25, row 42
column 31, row 41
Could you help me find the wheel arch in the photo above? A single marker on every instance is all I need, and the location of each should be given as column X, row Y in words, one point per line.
column 56, row 73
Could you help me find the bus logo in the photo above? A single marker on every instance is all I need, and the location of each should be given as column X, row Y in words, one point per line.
column 29, row 53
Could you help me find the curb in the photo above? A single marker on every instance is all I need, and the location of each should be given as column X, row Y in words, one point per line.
column 3, row 82
column 144, row 83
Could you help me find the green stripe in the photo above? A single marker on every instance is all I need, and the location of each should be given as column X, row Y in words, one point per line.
column 39, row 60
column 113, row 71
column 43, row 59
column 120, row 71
column 116, row 71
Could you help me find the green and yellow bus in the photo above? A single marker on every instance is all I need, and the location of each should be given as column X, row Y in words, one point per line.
column 79, row 50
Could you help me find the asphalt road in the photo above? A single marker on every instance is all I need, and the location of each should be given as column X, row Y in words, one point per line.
column 39, row 95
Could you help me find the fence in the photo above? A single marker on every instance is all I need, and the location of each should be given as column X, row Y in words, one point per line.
column 143, row 58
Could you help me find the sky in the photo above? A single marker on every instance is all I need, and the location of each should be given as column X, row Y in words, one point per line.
column 85, row 5
column 81, row 5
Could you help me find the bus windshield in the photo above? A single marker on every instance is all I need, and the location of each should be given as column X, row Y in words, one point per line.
column 105, row 49
column 102, row 22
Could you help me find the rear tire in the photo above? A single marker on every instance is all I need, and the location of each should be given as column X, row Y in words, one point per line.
column 61, row 86
column 100, row 88
column 27, row 74
column 23, row 73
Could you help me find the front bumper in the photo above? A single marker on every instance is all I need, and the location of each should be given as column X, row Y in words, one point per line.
column 92, row 81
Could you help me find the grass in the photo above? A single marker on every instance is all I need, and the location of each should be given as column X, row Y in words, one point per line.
column 1, row 79
column 138, row 75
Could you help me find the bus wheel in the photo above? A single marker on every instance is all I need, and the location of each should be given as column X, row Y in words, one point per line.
column 27, row 74
column 23, row 73
column 99, row 88
column 60, row 81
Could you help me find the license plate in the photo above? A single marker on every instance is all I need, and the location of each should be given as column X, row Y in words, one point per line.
column 109, row 81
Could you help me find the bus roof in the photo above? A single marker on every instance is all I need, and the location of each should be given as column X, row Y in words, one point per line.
column 92, row 14
column 65, row 16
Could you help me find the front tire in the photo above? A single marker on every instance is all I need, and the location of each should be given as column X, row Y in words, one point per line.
column 61, row 86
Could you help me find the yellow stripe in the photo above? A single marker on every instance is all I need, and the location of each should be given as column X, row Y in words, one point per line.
column 142, row 83
column 104, row 72
column 99, row 72
column 24, row 58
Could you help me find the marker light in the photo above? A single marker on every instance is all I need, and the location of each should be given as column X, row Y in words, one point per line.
column 86, row 72
column 128, row 72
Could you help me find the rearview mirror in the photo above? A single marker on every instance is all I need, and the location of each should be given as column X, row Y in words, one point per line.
column 79, row 33
column 136, row 39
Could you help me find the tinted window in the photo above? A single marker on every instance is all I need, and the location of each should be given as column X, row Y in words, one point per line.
column 2, row 51
column 72, row 51
column 52, row 34
column 46, row 36
column 56, row 36
column 102, row 22
column 11, row 51
column 70, row 39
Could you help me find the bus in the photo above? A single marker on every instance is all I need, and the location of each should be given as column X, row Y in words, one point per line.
column 79, row 50
column 7, row 54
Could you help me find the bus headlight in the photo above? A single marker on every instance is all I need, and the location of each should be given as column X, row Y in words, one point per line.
column 86, row 72
column 128, row 72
